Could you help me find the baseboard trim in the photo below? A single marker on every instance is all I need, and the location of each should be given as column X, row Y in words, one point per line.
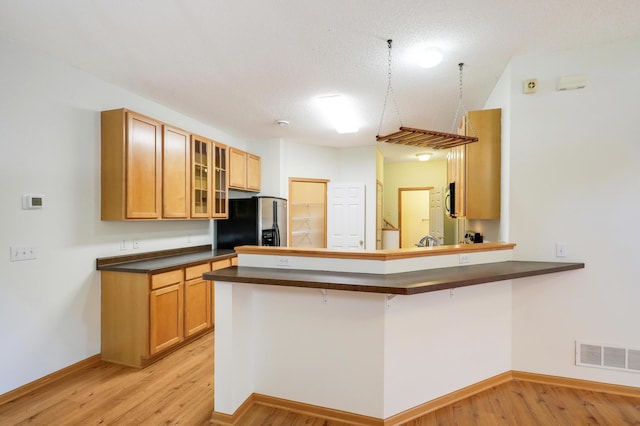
column 577, row 384
column 222, row 419
column 50, row 378
column 448, row 399
column 317, row 411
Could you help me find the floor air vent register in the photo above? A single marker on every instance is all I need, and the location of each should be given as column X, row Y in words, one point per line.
column 610, row 357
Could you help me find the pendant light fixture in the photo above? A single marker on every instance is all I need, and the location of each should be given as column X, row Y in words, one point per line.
column 420, row 137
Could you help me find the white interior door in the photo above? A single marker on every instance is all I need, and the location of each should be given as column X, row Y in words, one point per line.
column 436, row 214
column 345, row 215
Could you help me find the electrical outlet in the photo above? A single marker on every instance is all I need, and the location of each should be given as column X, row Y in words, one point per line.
column 23, row 253
column 561, row 250
column 283, row 262
column 463, row 258
column 136, row 244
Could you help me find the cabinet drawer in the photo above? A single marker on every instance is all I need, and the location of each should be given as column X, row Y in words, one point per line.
column 166, row 278
column 196, row 271
column 220, row 264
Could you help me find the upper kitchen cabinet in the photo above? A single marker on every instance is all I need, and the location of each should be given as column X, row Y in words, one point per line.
column 475, row 167
column 152, row 170
column 244, row 171
column 131, row 166
column 209, row 179
column 201, row 150
column 176, row 168
column 220, row 182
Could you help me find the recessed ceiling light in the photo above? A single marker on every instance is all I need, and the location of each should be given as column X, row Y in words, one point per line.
column 423, row 156
column 339, row 112
column 429, row 57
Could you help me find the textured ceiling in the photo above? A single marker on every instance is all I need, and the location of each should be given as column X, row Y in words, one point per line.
column 240, row 65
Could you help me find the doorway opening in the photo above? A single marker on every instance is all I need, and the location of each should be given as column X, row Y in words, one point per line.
column 413, row 214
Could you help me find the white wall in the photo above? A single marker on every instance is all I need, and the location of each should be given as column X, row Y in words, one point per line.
column 50, row 127
column 574, row 179
column 270, row 152
column 443, row 341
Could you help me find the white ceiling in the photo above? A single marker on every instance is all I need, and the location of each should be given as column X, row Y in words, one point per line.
column 241, row 65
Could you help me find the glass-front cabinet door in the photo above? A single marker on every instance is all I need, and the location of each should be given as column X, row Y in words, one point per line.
column 220, row 182
column 200, row 178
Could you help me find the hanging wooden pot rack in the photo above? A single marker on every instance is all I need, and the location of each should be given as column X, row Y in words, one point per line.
column 420, row 137
column 426, row 138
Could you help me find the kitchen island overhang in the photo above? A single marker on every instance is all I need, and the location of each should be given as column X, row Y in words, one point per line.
column 343, row 340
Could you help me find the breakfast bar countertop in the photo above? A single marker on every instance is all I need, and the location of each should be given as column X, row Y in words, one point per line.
column 404, row 283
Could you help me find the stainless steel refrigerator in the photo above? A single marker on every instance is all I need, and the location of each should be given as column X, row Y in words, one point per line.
column 260, row 221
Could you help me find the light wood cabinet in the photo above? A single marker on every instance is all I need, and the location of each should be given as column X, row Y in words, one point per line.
column 220, row 182
column 475, row 167
column 176, row 168
column 307, row 212
column 209, row 179
column 166, row 311
column 244, row 170
column 144, row 315
column 237, row 169
column 197, row 300
column 151, row 170
column 131, row 155
column 200, row 177
column 253, row 172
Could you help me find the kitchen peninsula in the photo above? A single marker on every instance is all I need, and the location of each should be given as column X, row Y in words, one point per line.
column 363, row 336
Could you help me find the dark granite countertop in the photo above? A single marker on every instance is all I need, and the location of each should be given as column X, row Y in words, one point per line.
column 162, row 261
column 405, row 283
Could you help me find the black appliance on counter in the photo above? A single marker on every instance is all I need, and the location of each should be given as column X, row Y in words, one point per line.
column 258, row 221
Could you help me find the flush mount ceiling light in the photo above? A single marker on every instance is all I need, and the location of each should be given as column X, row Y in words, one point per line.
column 423, row 156
column 339, row 112
column 281, row 123
column 429, row 57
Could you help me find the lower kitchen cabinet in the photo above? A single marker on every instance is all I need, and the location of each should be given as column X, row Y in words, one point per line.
column 145, row 315
column 198, row 300
column 166, row 310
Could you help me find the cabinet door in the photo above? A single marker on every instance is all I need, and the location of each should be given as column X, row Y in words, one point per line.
column 200, row 177
column 253, row 172
column 482, row 181
column 143, row 167
column 237, row 168
column 175, row 173
column 166, row 316
column 197, row 300
column 220, row 182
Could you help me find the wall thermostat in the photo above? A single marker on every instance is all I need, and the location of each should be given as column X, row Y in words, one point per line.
column 32, row 201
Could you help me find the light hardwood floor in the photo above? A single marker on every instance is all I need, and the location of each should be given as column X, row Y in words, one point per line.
column 179, row 390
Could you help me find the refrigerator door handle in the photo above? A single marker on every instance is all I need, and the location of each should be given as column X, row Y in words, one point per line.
column 276, row 229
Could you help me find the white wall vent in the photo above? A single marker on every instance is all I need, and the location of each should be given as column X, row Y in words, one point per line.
column 613, row 357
